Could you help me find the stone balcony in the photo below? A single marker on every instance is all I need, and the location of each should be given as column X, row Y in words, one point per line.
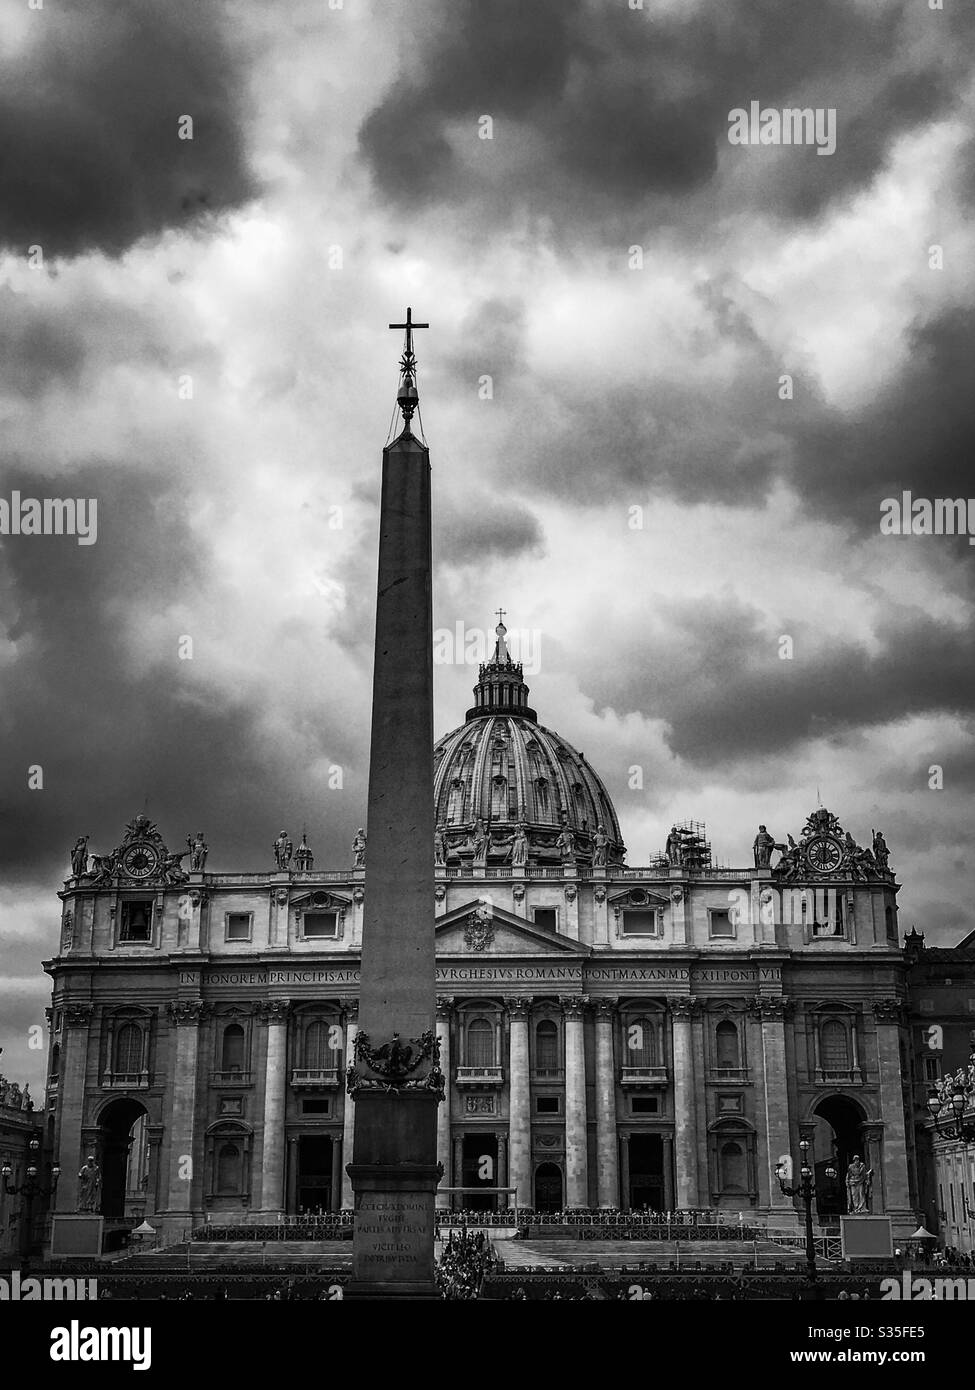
column 479, row 1076
column 315, row 1076
column 125, row 1080
column 844, row 1076
column 644, row 1076
column 234, row 1077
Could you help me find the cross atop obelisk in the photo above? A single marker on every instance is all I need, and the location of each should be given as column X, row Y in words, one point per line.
column 408, row 396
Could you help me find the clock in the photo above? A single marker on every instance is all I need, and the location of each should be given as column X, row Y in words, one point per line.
column 140, row 861
column 824, row 854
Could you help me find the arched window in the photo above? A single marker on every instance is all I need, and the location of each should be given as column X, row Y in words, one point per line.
column 455, row 802
column 480, row 1043
column 499, row 798
column 128, row 1049
column 228, row 1169
column 547, row 1045
column 726, row 1051
column 317, row 1053
column 640, row 1043
column 232, row 1055
column 734, row 1169
column 835, row 1046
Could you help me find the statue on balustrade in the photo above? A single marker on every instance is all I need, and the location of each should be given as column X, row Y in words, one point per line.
column 763, row 847
column 79, row 856
column 359, row 849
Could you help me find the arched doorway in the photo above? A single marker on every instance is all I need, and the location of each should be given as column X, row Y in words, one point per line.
column 838, row 1136
column 548, row 1187
column 122, row 1145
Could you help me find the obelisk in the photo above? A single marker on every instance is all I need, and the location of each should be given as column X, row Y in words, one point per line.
column 394, row 1078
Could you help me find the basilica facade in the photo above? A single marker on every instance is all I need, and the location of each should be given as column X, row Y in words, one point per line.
column 653, row 1037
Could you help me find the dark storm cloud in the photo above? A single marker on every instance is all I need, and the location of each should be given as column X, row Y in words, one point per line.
column 606, row 107
column 89, row 114
column 479, row 527
column 716, row 677
column 111, row 728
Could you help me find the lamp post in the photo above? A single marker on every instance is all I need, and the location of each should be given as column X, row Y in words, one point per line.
column 806, row 1190
column 952, row 1126
column 30, row 1189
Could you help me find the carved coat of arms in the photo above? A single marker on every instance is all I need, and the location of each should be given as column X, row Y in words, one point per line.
column 479, row 932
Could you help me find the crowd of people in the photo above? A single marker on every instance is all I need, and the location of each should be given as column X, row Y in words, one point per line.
column 464, row 1260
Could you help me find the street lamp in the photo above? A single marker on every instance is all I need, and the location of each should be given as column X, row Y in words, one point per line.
column 806, row 1190
column 952, row 1126
column 30, row 1189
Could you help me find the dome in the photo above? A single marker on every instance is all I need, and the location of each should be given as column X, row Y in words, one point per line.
column 508, row 790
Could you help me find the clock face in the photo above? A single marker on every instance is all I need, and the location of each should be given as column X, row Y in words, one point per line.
column 139, row 861
column 824, row 854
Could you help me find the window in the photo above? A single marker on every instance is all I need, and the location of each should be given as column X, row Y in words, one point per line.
column 318, row 1051
column 835, row 1046
column 547, row 1046
column 228, row 1170
column 932, row 1068
column 644, row 1105
column 640, row 922
column 480, row 1043
column 232, row 1053
column 726, row 1052
column 547, row 1105
column 136, row 921
column 320, row 1106
column 734, row 1169
column 641, row 1043
column 546, row 918
column 721, row 923
column 238, row 926
column 319, row 924
column 128, row 1050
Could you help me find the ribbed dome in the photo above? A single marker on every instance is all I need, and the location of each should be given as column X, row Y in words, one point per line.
column 503, row 769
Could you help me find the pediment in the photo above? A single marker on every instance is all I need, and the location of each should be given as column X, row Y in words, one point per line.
column 638, row 896
column 468, row 930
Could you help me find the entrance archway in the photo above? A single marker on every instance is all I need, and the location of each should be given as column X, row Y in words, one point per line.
column 838, row 1136
column 548, row 1187
column 121, row 1137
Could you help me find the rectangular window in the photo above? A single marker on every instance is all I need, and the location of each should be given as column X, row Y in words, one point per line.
column 932, row 1068
column 238, row 926
column 546, row 918
column 319, row 924
column 640, row 922
column 547, row 1105
column 644, row 1105
column 136, row 920
column 951, row 1194
column 721, row 923
column 321, row 1106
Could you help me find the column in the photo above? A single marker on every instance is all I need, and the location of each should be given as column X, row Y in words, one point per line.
column 335, row 1195
column 71, row 1101
column 890, row 1189
column 186, row 1016
column 607, row 1148
column 154, row 1136
column 351, row 1007
column 445, row 1005
column 458, row 1175
column 519, row 1101
column 576, row 1155
column 274, row 1014
column 771, row 1011
column 502, row 1176
column 291, row 1181
column 682, row 1008
column 668, row 1142
column 624, row 1153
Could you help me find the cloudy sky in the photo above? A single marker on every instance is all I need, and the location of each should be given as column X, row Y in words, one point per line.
column 615, row 293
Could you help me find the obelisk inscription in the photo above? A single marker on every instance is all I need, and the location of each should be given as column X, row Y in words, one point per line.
column 394, row 1079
